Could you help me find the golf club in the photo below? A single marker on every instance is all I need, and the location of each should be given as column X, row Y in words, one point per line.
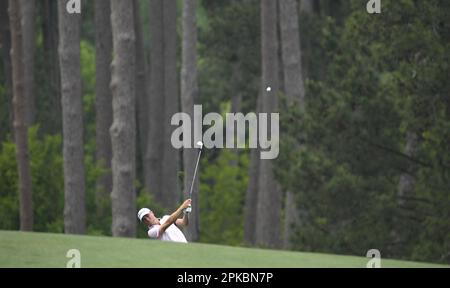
column 200, row 145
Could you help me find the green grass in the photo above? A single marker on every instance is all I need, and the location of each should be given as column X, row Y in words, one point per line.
column 21, row 249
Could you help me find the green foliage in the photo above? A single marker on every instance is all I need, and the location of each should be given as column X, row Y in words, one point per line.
column 229, row 53
column 98, row 213
column 9, row 202
column 229, row 63
column 99, row 210
column 388, row 77
column 47, row 183
column 222, row 195
column 48, row 188
column 46, row 79
column 87, row 62
column 46, row 158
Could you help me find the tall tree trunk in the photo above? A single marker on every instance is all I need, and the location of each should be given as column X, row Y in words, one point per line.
column 291, row 52
column 103, row 101
column 52, row 123
column 251, row 199
column 123, row 129
column 236, row 97
column 161, row 158
column 236, row 100
column 294, row 89
column 155, row 133
column 141, row 92
column 308, row 9
column 72, row 111
column 189, row 92
column 28, row 28
column 170, row 187
column 5, row 42
column 269, row 198
column 251, row 196
column 20, row 123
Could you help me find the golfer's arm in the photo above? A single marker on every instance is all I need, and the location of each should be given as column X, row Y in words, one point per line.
column 184, row 221
column 170, row 221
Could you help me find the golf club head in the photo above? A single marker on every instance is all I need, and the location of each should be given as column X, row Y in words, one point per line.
column 200, row 144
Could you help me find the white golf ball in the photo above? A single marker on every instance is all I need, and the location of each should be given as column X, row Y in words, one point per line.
column 268, row 88
column 200, row 143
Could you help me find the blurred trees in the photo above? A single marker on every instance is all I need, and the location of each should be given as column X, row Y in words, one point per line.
column 47, row 59
column 385, row 90
column 6, row 113
column 170, row 188
column 155, row 135
column 364, row 161
column 103, row 102
column 123, row 128
column 293, row 88
column 20, row 104
column 161, row 160
column 47, row 182
column 222, row 194
column 73, row 128
column 229, row 76
column 269, row 199
column 28, row 20
column 141, row 92
column 189, row 95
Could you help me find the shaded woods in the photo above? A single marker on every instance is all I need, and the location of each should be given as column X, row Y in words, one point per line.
column 364, row 105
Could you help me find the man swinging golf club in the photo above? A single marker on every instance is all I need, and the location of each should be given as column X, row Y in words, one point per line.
column 168, row 227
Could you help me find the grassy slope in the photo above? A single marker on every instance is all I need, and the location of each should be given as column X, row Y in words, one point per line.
column 20, row 249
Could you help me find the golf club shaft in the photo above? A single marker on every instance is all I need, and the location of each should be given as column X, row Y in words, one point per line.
column 195, row 173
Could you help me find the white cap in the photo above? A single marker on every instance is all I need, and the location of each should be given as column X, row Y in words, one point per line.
column 143, row 212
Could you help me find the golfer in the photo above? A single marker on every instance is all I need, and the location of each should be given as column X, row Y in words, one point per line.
column 168, row 227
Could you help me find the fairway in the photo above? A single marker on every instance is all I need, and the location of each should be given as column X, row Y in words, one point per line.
column 23, row 249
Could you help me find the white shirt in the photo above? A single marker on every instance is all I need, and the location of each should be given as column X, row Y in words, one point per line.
column 172, row 233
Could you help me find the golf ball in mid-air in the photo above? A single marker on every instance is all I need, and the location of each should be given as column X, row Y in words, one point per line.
column 268, row 88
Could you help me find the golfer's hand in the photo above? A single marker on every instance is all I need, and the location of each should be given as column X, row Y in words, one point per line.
column 186, row 204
